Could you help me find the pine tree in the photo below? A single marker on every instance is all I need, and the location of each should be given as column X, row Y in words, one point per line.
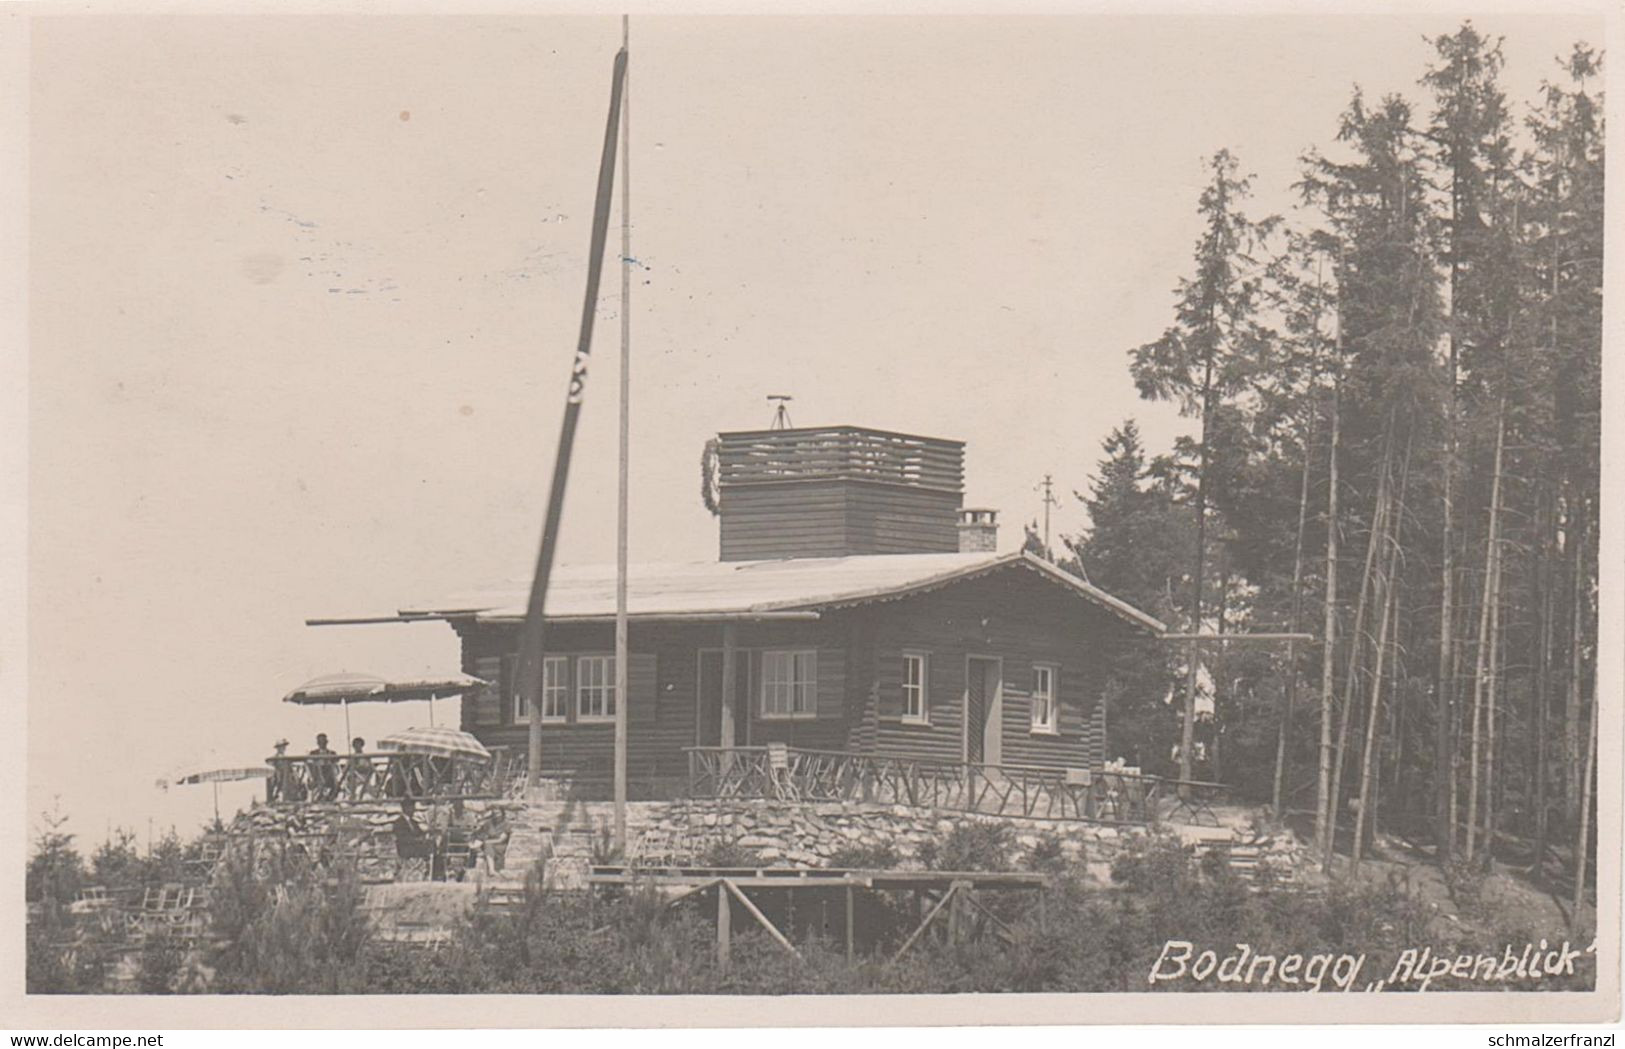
column 1566, row 173
column 1133, row 547
column 1206, row 356
column 1388, row 386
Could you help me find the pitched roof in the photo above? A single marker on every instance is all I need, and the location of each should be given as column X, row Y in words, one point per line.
column 743, row 588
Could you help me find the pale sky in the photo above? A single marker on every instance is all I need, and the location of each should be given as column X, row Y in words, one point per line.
column 304, row 291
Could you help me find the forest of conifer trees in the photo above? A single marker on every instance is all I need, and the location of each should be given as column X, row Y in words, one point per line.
column 1394, row 399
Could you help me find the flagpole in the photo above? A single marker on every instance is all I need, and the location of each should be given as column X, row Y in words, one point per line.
column 622, row 700
column 533, row 635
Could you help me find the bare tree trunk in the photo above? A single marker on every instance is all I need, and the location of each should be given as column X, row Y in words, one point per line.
column 1351, row 671
column 1328, row 644
column 1491, row 692
column 1542, row 691
column 1454, row 758
column 1398, row 702
column 1214, row 724
column 1387, row 561
column 1290, row 693
column 1444, row 747
column 1395, row 712
column 1571, row 720
column 1582, row 837
column 1476, row 739
column 1187, row 732
column 1383, row 598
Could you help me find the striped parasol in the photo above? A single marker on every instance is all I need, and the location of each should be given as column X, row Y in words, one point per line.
column 347, row 687
column 233, row 774
column 370, row 688
column 439, row 741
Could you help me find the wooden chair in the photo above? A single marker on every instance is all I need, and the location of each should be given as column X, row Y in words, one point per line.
column 654, row 848
column 783, row 785
column 458, row 855
column 493, row 834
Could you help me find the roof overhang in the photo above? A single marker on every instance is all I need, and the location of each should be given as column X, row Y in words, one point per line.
column 809, row 604
column 642, row 617
column 1083, row 588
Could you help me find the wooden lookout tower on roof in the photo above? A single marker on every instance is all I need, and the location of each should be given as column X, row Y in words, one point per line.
column 837, row 491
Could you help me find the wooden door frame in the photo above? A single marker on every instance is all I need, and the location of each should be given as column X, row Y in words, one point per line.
column 742, row 717
column 996, row 702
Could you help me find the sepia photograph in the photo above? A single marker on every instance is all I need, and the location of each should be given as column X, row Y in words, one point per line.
column 993, row 518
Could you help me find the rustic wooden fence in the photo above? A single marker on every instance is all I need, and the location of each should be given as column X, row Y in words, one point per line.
column 794, row 774
column 388, row 776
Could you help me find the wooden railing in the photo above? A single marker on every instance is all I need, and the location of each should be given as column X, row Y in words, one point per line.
column 388, row 776
column 793, row 774
column 840, row 452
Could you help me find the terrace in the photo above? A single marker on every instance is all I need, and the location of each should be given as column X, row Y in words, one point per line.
column 784, row 773
column 391, row 776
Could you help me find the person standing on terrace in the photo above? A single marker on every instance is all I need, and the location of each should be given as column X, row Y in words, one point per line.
column 358, row 771
column 324, row 771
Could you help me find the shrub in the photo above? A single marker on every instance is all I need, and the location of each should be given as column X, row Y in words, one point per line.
column 1048, row 854
column 971, row 846
column 880, row 856
column 55, row 870
column 605, row 850
column 307, row 936
column 162, row 958
column 1465, row 883
column 727, row 852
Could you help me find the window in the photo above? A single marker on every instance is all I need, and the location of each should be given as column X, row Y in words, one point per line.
column 1046, row 708
column 555, row 692
column 789, row 684
column 914, row 695
column 595, row 688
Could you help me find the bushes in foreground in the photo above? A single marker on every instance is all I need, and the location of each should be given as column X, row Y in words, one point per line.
column 1091, row 939
column 309, row 935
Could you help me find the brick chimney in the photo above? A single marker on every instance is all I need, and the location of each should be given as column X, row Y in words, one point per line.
column 978, row 531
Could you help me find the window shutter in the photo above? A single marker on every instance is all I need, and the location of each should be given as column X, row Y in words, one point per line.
column 484, row 707
column 889, row 685
column 641, row 687
column 829, row 664
column 507, row 684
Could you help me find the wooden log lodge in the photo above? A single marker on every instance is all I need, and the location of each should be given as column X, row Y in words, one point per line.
column 857, row 609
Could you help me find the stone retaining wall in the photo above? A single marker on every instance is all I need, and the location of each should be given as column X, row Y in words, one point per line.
column 783, row 834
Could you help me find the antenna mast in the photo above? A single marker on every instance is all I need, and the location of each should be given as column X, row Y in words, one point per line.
column 781, row 414
column 1047, row 486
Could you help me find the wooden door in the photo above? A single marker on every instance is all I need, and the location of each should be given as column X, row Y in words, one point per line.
column 709, row 698
column 983, row 713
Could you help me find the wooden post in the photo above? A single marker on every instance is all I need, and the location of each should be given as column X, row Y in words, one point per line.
column 532, row 635
column 724, row 931
column 622, row 713
column 851, row 946
column 730, row 686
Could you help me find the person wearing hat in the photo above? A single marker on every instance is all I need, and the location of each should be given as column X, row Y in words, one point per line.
column 284, row 784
